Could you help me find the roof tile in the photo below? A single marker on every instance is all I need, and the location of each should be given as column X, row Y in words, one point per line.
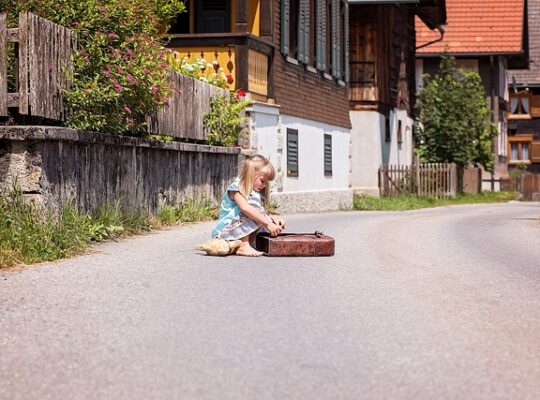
column 479, row 26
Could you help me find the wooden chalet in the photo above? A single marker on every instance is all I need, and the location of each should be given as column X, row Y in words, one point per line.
column 524, row 111
column 382, row 83
column 286, row 52
column 487, row 36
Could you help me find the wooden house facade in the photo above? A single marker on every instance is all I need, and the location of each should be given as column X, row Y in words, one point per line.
column 382, row 83
column 524, row 111
column 489, row 37
column 291, row 57
column 332, row 82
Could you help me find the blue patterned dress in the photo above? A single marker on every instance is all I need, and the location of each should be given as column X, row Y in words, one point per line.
column 232, row 223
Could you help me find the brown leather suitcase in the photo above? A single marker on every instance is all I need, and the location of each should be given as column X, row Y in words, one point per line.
column 296, row 244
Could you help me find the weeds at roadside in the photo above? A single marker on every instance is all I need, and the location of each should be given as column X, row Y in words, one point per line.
column 29, row 234
column 402, row 203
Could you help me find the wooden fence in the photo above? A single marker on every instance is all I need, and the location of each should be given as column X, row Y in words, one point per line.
column 183, row 116
column 528, row 185
column 43, row 56
column 432, row 180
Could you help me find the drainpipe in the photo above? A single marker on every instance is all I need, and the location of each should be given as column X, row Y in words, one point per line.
column 441, row 30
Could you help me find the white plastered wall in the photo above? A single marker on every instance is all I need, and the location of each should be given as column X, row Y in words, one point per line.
column 370, row 149
column 311, row 190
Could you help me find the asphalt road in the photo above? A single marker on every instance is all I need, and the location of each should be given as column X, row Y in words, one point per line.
column 432, row 304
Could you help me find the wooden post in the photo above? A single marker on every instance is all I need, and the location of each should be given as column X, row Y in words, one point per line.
column 23, row 63
column 241, row 18
column 3, row 66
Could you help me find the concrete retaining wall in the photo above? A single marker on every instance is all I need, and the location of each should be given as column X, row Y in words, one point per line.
column 57, row 166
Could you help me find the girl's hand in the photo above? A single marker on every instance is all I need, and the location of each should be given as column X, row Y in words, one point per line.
column 278, row 221
column 273, row 228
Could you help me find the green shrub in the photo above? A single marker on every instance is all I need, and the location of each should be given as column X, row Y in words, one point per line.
column 223, row 123
column 120, row 71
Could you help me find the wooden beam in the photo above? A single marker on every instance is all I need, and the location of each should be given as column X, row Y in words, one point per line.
column 241, row 15
column 266, row 19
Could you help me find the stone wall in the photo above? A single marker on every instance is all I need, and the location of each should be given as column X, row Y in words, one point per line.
column 60, row 166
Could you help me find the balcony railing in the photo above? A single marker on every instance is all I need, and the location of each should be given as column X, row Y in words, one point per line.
column 246, row 58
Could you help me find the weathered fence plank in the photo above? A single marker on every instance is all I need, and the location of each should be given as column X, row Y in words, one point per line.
column 3, row 66
column 23, row 64
column 183, row 116
column 433, row 180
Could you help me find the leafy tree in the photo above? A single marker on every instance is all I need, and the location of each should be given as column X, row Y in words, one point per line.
column 120, row 73
column 453, row 124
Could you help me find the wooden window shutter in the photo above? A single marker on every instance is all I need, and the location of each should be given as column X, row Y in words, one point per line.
column 535, row 152
column 327, row 155
column 302, row 17
column 346, row 41
column 535, row 106
column 321, row 35
column 336, row 40
column 305, row 39
column 285, row 7
column 292, row 152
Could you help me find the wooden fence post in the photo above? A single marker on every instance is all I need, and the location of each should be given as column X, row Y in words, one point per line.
column 3, row 66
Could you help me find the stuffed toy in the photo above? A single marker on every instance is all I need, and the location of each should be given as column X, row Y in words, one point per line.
column 219, row 247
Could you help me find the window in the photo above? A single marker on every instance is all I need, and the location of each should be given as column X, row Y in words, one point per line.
column 399, row 132
column 519, row 148
column 387, row 133
column 203, row 16
column 364, row 55
column 292, row 152
column 520, row 105
column 315, row 33
column 327, row 155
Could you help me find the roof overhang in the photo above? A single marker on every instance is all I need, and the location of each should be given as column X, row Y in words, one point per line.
column 383, row 1
column 432, row 12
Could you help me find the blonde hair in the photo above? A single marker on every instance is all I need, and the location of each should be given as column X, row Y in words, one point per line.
column 252, row 167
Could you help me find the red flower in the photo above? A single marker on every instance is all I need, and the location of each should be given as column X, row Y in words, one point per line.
column 230, row 79
column 240, row 93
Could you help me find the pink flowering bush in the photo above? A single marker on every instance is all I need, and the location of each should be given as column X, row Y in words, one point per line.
column 120, row 71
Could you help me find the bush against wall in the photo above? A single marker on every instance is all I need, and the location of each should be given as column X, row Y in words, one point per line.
column 454, row 120
column 223, row 123
column 120, row 73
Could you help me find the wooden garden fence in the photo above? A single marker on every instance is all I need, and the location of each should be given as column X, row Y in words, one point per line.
column 431, row 180
column 43, row 53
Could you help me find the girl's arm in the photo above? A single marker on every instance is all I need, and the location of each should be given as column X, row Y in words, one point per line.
column 254, row 214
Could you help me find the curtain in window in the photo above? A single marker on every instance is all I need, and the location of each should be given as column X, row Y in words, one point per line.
column 525, row 151
column 513, row 105
column 524, row 105
column 513, row 151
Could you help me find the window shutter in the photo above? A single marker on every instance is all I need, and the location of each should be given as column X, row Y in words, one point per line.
column 292, row 152
column 301, row 30
column 346, row 41
column 327, row 155
column 285, row 7
column 535, row 152
column 336, row 42
column 305, row 38
column 321, row 35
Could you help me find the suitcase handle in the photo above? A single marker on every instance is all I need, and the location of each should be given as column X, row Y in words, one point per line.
column 316, row 233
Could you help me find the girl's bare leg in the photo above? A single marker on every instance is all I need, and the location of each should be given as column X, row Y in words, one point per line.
column 245, row 249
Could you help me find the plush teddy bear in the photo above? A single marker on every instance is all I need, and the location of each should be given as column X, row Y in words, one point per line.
column 219, row 247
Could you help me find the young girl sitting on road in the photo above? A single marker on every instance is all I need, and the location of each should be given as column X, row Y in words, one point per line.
column 242, row 211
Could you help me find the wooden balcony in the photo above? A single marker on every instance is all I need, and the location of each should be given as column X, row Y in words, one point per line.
column 247, row 58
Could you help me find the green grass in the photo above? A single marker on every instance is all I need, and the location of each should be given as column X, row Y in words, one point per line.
column 401, row 203
column 29, row 234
